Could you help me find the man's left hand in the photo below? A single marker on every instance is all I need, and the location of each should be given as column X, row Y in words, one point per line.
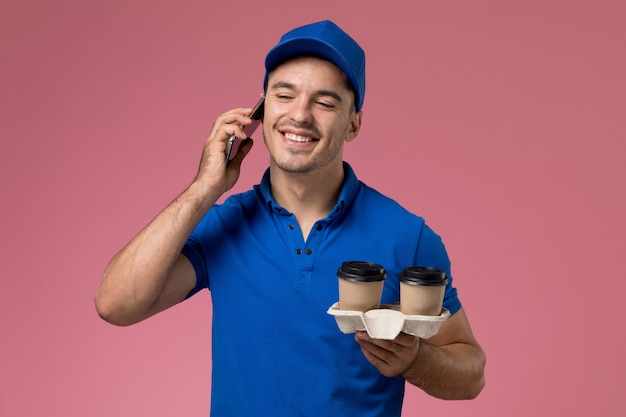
column 391, row 357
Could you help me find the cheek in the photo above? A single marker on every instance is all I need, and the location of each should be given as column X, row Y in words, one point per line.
column 344, row 129
column 271, row 116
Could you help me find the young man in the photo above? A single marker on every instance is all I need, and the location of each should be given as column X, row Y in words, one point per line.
column 269, row 256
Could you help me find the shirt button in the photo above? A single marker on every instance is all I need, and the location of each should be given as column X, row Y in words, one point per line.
column 298, row 251
column 318, row 227
column 308, row 251
column 291, row 227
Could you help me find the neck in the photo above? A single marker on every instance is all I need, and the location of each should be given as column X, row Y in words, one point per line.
column 309, row 197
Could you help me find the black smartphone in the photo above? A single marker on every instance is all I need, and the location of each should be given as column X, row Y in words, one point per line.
column 233, row 142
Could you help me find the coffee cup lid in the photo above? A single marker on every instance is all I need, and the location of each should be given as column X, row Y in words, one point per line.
column 361, row 271
column 425, row 276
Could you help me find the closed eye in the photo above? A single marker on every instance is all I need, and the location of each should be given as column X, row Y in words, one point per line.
column 326, row 105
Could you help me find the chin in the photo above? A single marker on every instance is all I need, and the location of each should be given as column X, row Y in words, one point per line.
column 293, row 167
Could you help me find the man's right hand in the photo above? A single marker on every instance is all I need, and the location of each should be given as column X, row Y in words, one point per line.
column 213, row 172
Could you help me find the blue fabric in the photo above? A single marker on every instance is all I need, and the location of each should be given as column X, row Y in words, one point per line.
column 276, row 352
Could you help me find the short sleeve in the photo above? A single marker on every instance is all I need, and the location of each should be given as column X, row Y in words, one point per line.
column 431, row 252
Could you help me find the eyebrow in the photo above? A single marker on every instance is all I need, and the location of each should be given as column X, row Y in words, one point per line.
column 290, row 86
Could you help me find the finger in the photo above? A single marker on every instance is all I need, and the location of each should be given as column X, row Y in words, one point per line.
column 232, row 118
column 372, row 346
column 236, row 113
column 403, row 339
column 388, row 350
column 384, row 365
column 243, row 150
column 406, row 340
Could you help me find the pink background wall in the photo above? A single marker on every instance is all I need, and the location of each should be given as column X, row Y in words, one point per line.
column 502, row 122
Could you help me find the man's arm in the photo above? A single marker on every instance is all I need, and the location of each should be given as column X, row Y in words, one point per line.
column 449, row 365
column 149, row 274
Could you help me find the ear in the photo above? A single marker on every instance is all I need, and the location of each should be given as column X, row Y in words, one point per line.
column 355, row 126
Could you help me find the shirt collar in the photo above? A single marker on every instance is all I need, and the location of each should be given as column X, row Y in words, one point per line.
column 346, row 195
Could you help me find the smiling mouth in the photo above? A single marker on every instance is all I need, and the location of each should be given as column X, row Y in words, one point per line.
column 298, row 138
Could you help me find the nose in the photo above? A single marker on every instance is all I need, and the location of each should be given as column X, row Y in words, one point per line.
column 300, row 111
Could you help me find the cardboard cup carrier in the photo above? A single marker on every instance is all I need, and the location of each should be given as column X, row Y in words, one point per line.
column 420, row 312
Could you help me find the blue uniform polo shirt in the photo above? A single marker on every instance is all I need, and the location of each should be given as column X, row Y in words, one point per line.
column 276, row 352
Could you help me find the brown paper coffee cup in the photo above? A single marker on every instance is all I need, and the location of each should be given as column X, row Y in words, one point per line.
column 422, row 290
column 360, row 285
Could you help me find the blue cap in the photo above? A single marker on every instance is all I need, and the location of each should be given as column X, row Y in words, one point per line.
column 325, row 40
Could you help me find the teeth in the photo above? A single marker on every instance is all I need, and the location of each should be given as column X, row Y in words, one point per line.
column 297, row 138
